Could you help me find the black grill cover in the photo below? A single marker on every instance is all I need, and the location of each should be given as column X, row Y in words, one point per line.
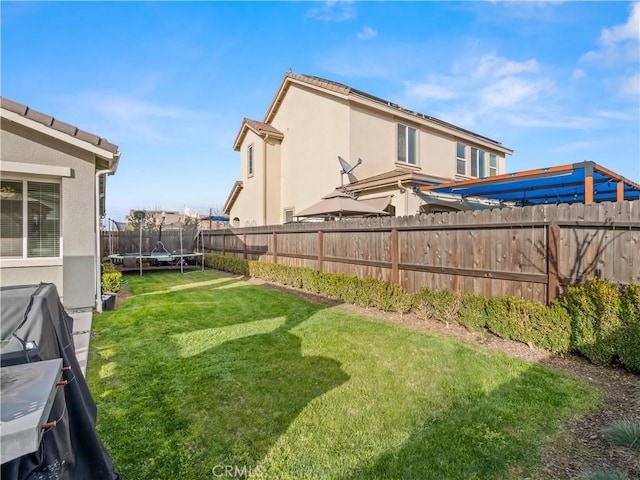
column 34, row 327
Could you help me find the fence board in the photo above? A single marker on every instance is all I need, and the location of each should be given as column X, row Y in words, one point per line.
column 493, row 252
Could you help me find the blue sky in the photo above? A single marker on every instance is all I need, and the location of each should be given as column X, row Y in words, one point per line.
column 170, row 82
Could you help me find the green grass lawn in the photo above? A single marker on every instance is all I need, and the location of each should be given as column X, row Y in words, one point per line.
column 201, row 376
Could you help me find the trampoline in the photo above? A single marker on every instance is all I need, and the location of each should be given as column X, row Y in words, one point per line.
column 172, row 246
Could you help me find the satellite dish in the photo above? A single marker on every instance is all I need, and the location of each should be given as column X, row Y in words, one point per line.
column 346, row 167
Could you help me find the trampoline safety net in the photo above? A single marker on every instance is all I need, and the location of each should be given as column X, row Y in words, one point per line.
column 174, row 238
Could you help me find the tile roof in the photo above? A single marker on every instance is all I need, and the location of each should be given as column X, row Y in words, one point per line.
column 261, row 127
column 56, row 124
column 395, row 175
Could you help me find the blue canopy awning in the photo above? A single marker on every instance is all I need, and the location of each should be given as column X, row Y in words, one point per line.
column 582, row 182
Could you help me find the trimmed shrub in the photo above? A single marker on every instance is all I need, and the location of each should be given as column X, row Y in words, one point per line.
column 447, row 305
column 391, row 297
column 550, row 327
column 424, row 303
column 629, row 335
column 498, row 317
column 236, row 265
column 530, row 322
column 472, row 312
column 443, row 305
column 107, row 267
column 593, row 308
column 111, row 281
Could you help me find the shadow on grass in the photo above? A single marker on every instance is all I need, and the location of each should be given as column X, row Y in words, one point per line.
column 188, row 400
column 495, row 435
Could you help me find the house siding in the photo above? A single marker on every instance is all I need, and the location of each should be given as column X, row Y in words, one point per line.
column 316, row 130
column 318, row 125
column 22, row 145
column 248, row 207
column 273, row 182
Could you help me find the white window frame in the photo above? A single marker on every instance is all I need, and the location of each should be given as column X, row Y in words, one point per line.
column 493, row 164
column 407, row 145
column 25, row 259
column 250, row 161
column 461, row 160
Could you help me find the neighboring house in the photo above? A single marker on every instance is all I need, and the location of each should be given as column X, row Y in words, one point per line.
column 52, row 202
column 289, row 160
column 170, row 220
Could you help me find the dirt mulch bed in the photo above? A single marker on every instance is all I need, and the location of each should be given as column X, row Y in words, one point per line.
column 580, row 447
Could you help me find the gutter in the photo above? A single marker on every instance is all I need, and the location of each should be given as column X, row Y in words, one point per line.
column 98, row 260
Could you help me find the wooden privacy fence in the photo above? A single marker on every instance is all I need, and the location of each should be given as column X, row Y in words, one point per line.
column 527, row 252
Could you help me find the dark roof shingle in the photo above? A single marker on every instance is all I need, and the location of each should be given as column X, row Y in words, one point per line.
column 58, row 125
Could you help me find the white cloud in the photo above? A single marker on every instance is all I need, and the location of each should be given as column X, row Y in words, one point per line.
column 543, row 118
column 511, row 91
column 630, row 86
column 575, row 146
column 334, row 11
column 122, row 107
column 123, row 117
column 626, row 31
column 367, row 33
column 497, row 86
column 425, row 91
column 626, row 116
column 578, row 74
column 496, row 67
column 619, row 44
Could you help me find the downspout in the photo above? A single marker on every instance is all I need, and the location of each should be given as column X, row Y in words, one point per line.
column 264, row 179
column 406, row 197
column 98, row 265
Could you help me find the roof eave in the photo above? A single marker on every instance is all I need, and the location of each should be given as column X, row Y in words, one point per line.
column 290, row 78
column 237, row 144
column 233, row 196
column 408, row 177
column 108, row 154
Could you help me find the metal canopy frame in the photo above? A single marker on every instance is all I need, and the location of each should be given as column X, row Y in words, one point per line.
column 585, row 182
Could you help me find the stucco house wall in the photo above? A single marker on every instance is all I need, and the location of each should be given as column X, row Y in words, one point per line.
column 310, row 143
column 316, row 121
column 33, row 150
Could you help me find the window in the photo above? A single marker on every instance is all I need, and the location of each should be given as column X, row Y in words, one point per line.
column 407, row 145
column 461, row 159
column 288, row 215
column 39, row 217
column 477, row 163
column 493, row 164
column 250, row 160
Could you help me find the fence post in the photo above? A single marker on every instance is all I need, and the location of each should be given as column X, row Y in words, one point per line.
column 395, row 272
column 553, row 263
column 244, row 246
column 224, row 244
column 275, row 247
column 320, row 250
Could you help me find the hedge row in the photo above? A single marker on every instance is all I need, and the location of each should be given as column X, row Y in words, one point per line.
column 598, row 319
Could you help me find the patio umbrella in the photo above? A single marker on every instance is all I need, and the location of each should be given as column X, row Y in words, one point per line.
column 339, row 204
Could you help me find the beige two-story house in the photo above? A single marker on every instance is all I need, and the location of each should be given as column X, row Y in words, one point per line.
column 52, row 195
column 289, row 160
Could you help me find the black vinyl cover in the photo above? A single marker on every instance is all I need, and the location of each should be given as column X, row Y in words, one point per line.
column 35, row 327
